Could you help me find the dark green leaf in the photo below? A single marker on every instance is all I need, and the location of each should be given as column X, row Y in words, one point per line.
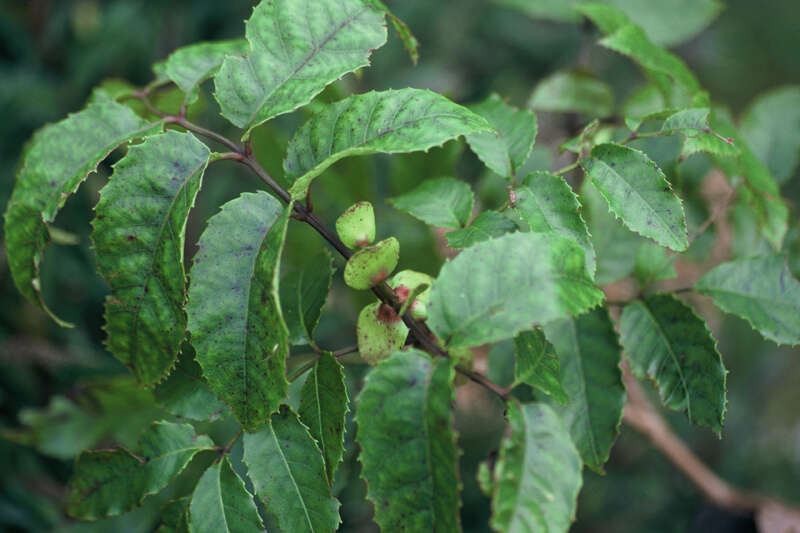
column 502, row 286
column 638, row 193
column 303, row 293
column 111, row 482
column 323, row 406
column 55, row 163
column 396, row 121
column 221, row 503
column 507, row 149
column 408, row 452
column 573, row 92
column 234, row 314
column 297, row 47
column 174, row 517
column 288, row 473
column 538, row 473
column 589, row 355
column 771, row 126
column 653, row 263
column 139, row 240
column 762, row 291
column 487, row 225
column 443, row 202
column 536, row 364
column 667, row 342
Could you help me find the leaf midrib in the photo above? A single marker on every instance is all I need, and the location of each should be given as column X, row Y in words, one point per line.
column 291, row 476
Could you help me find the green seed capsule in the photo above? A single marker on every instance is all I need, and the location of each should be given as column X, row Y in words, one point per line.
column 380, row 332
column 373, row 264
column 356, row 226
column 406, row 283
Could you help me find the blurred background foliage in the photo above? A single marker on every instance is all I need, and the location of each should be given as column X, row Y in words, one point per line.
column 60, row 391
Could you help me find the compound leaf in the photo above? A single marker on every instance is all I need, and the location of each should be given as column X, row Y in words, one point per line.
column 111, row 482
column 760, row 290
column 221, row 503
column 538, row 473
column 487, row 225
column 297, row 48
column 442, row 202
column 667, row 342
column 288, row 473
column 638, row 193
column 234, row 313
column 536, row 364
column 395, row 121
column 509, row 147
column 502, row 286
column 55, row 162
column 303, row 293
column 408, row 451
column 589, row 356
column 139, row 240
column 323, row 406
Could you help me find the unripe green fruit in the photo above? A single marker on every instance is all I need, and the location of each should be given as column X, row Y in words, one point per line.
column 405, row 283
column 356, row 226
column 371, row 265
column 380, row 332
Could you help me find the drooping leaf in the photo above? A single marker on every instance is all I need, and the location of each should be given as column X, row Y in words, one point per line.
column 190, row 65
column 721, row 122
column 234, row 314
column 303, row 292
column 395, row 121
column 323, row 406
column 667, row 342
column 288, row 473
column 653, row 264
column 510, row 147
column 638, row 193
column 296, row 49
column 760, row 290
column 111, row 482
column 185, row 392
column 538, row 473
column 139, row 240
column 573, row 92
column 502, row 286
column 410, row 42
column 589, row 356
column 536, row 364
column 442, row 202
column 174, row 517
column 485, row 226
column 771, row 127
column 548, row 205
column 55, row 162
column 221, row 503
column 407, row 442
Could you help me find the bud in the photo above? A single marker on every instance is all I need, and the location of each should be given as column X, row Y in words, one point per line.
column 406, row 283
column 373, row 264
column 356, row 226
column 380, row 332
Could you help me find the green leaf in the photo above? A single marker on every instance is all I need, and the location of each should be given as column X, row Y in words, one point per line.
column 505, row 151
column 288, row 473
column 185, row 393
column 111, row 482
column 139, row 240
column 323, row 406
column 408, row 39
column 589, row 356
column 502, row 286
column 221, row 503
column 442, row 202
column 653, row 263
column 538, row 473
column 487, row 225
column 771, row 127
column 573, row 92
column 667, row 342
column 395, row 121
column 55, row 162
column 536, row 364
column 234, row 314
column 297, row 48
column 638, row 193
column 408, row 451
column 191, row 65
column 670, row 22
column 174, row 517
column 719, row 121
column 557, row 10
column 690, row 122
column 303, row 292
column 760, row 290
column 548, row 205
